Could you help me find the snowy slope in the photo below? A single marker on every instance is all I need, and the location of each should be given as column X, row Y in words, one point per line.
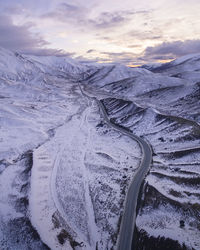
column 159, row 90
column 64, row 173
column 59, row 66
column 164, row 110
column 15, row 66
column 107, row 74
column 188, row 63
column 33, row 103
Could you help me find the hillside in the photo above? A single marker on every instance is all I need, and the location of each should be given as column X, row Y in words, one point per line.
column 64, row 172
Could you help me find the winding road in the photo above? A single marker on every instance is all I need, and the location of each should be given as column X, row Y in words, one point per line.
column 129, row 217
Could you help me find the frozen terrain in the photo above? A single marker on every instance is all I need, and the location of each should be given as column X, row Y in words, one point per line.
column 64, row 173
column 164, row 110
column 86, row 171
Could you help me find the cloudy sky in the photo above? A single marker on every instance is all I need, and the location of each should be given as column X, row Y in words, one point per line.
column 132, row 32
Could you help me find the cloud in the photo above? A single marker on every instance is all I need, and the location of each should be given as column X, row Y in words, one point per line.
column 120, row 57
column 17, row 37
column 20, row 38
column 170, row 50
column 48, row 52
column 133, row 46
column 90, row 51
column 110, row 19
column 86, row 60
column 115, row 19
column 14, row 10
column 67, row 12
column 108, row 57
column 133, row 39
column 80, row 16
column 145, row 35
column 162, row 52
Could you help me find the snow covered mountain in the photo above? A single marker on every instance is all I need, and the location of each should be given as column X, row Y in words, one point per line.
column 163, row 108
column 183, row 65
column 64, row 173
column 62, row 180
column 21, row 67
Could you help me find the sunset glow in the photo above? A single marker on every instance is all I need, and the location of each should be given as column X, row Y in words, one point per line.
column 130, row 32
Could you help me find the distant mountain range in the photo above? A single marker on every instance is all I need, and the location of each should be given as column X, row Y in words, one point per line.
column 64, row 173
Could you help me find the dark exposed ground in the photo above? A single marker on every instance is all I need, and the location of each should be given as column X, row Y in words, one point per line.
column 19, row 233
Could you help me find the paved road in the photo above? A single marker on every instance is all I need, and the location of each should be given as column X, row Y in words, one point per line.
column 129, row 216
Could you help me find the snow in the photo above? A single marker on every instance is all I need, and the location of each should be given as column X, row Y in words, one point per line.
column 186, row 58
column 83, row 162
column 160, row 222
column 42, row 207
column 188, row 63
column 163, row 108
column 81, row 167
column 60, row 65
column 111, row 73
column 7, row 179
column 165, row 186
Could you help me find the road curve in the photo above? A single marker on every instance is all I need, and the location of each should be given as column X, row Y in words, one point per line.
column 129, row 217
